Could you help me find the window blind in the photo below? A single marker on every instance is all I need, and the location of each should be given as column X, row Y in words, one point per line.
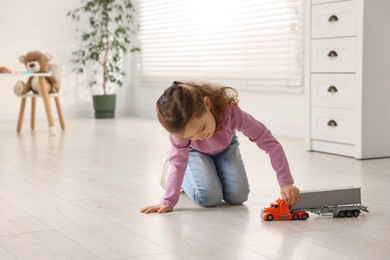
column 246, row 44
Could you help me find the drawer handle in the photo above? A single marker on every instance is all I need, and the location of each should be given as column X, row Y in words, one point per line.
column 332, row 54
column 332, row 123
column 333, row 18
column 332, row 89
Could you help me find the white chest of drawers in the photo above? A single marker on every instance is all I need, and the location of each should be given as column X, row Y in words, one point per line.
column 347, row 77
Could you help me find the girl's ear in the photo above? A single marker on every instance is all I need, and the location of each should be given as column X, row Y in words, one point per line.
column 207, row 102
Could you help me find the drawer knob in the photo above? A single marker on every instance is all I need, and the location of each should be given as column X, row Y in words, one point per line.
column 332, row 89
column 333, row 18
column 332, row 54
column 332, row 123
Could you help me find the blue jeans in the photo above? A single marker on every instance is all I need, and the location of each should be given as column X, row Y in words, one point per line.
column 209, row 179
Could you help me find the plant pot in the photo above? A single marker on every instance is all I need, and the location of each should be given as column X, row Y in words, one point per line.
column 104, row 106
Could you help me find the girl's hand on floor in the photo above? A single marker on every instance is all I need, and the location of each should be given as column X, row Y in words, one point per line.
column 160, row 208
column 290, row 193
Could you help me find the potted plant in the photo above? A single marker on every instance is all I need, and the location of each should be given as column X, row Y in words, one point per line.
column 105, row 36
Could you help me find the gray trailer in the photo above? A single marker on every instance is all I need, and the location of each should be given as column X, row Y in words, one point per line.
column 344, row 202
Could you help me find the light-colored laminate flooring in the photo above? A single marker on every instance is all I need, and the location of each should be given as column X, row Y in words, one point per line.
column 77, row 196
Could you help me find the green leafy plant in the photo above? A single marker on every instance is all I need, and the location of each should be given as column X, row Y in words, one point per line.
column 105, row 36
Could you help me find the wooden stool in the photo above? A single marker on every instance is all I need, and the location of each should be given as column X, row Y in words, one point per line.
column 57, row 73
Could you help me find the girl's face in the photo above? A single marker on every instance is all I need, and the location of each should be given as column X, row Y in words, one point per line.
column 203, row 127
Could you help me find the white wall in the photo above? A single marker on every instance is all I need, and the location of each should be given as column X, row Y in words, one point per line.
column 282, row 113
column 43, row 25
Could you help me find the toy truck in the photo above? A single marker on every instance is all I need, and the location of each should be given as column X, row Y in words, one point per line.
column 344, row 202
column 280, row 210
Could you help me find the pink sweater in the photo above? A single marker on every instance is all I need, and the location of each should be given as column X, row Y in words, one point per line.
column 235, row 119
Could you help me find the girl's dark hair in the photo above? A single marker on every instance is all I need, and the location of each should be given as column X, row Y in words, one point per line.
column 184, row 100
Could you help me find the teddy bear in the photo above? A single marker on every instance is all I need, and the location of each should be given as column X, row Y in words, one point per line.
column 37, row 62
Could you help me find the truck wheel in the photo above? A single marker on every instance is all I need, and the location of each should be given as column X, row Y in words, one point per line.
column 341, row 214
column 304, row 216
column 295, row 217
column 349, row 214
column 270, row 217
column 356, row 213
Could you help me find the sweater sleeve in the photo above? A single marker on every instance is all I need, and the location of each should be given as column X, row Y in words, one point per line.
column 178, row 160
column 259, row 134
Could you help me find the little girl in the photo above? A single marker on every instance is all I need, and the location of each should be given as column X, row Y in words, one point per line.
column 205, row 160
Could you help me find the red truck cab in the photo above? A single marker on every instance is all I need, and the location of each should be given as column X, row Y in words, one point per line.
column 280, row 210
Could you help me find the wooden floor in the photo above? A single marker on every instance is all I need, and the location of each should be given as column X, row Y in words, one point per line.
column 77, row 196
